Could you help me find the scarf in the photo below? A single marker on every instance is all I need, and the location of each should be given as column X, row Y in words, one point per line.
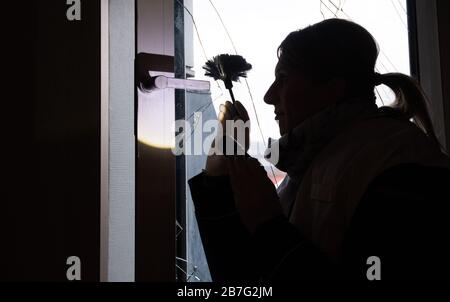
column 297, row 149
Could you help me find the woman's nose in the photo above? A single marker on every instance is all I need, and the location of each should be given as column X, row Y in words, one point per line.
column 271, row 95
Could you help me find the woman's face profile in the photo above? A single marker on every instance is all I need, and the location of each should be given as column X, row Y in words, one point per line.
column 293, row 95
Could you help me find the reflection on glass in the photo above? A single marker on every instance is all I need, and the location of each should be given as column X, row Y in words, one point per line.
column 155, row 114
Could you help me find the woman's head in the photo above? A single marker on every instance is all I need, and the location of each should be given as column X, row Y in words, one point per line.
column 333, row 61
column 319, row 65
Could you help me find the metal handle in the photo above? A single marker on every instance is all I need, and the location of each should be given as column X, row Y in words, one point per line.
column 163, row 82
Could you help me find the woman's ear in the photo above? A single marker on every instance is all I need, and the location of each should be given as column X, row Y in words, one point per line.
column 334, row 89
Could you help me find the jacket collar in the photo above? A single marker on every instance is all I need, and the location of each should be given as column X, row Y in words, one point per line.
column 294, row 152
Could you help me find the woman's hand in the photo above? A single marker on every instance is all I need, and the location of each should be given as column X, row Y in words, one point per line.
column 254, row 193
column 216, row 163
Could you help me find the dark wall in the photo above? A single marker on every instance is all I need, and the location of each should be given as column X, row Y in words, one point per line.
column 52, row 191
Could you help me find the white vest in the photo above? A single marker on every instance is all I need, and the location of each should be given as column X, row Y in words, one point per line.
column 340, row 174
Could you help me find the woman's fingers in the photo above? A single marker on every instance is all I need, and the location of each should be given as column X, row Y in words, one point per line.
column 237, row 167
column 245, row 168
column 254, row 194
column 254, row 167
column 240, row 176
column 224, row 114
column 231, row 111
column 228, row 111
column 228, row 105
column 241, row 111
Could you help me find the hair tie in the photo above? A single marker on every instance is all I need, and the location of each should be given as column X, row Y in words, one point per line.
column 377, row 79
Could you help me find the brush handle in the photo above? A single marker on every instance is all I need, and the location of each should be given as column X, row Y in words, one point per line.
column 234, row 112
column 237, row 149
column 229, row 86
column 233, row 100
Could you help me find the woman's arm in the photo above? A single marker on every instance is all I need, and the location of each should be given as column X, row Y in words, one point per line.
column 275, row 251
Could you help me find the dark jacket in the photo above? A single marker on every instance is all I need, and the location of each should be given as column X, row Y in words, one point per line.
column 401, row 219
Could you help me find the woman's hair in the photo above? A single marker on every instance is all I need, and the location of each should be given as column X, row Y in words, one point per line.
column 337, row 48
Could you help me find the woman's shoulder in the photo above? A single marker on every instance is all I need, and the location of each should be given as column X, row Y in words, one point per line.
column 373, row 147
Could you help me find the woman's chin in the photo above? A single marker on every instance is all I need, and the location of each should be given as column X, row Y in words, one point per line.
column 282, row 127
column 283, row 130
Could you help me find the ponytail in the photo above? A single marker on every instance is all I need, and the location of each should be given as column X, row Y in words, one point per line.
column 410, row 100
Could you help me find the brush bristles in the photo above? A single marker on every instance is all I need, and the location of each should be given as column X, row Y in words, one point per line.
column 227, row 68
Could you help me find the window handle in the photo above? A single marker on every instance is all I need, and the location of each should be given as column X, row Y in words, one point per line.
column 150, row 84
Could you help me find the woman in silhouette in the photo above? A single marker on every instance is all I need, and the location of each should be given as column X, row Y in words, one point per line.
column 365, row 185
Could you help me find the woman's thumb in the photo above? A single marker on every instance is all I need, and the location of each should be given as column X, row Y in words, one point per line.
column 241, row 110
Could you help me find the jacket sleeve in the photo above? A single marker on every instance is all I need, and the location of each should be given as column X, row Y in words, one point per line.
column 225, row 240
column 275, row 252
